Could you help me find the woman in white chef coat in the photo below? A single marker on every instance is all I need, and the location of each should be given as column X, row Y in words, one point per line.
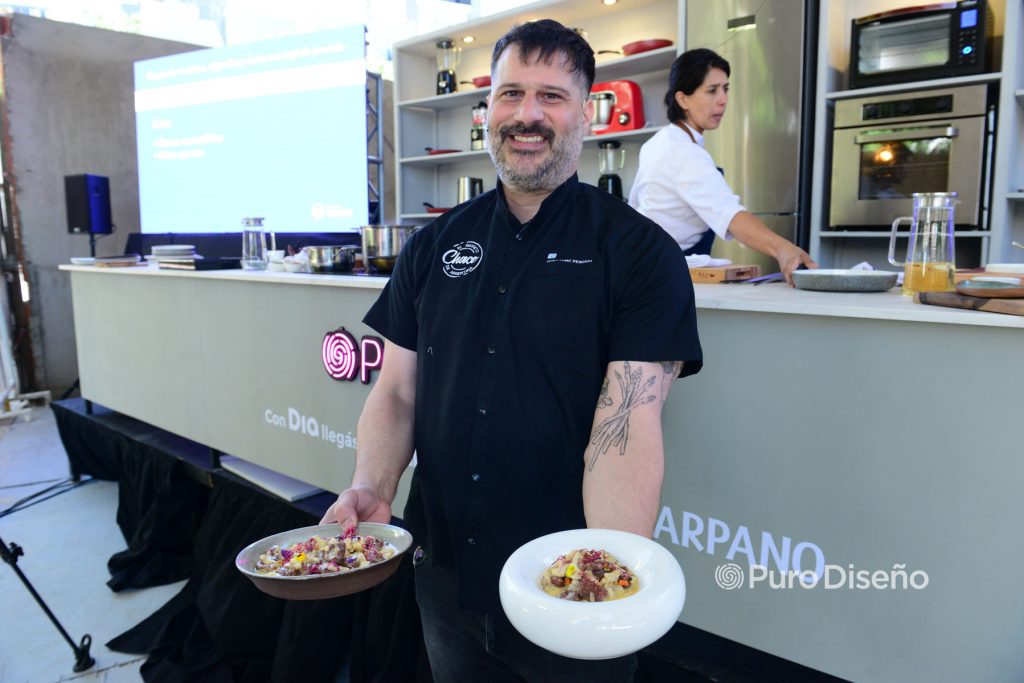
column 677, row 184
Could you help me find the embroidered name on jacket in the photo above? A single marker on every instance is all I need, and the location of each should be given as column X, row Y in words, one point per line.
column 553, row 258
column 462, row 259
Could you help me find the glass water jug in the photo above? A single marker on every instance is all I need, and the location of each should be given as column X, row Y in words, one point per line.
column 931, row 259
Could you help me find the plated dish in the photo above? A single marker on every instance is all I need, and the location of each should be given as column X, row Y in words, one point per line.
column 844, row 280
column 321, row 585
column 588, row 575
column 593, row 630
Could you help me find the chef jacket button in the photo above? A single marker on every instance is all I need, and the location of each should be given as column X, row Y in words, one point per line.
column 491, row 350
column 470, row 541
column 475, row 476
column 482, row 411
column 501, row 289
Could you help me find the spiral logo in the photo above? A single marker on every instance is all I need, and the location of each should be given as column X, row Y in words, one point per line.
column 340, row 354
column 729, row 576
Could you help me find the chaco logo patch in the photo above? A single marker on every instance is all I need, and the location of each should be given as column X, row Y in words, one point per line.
column 461, row 259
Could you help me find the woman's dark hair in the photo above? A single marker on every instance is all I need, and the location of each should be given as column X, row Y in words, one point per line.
column 688, row 72
column 546, row 39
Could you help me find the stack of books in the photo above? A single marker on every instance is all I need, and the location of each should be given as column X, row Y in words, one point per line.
column 199, row 263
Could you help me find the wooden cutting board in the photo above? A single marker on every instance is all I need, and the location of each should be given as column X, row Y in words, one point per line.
column 974, row 303
column 724, row 273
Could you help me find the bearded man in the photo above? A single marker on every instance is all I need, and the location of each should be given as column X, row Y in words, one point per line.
column 532, row 334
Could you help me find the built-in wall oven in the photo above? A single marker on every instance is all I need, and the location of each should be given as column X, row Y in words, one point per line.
column 886, row 147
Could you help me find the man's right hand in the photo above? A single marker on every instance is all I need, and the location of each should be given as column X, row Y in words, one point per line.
column 357, row 504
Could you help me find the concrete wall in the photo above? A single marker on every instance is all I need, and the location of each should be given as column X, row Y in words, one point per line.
column 68, row 96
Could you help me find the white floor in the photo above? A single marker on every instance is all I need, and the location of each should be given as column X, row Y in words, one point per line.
column 67, row 541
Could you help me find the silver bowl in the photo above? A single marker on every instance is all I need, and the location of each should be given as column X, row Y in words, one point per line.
column 331, row 259
column 382, row 244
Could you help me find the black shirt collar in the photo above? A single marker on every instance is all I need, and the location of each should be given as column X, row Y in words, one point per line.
column 551, row 204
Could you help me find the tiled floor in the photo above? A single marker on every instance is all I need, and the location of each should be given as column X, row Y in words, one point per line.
column 67, row 540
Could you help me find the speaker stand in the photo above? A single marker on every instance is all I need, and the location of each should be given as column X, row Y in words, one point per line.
column 83, row 661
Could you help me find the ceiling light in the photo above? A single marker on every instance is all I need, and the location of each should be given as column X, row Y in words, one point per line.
column 468, row 39
column 609, row 2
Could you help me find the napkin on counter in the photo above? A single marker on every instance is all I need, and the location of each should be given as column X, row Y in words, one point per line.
column 704, row 261
column 864, row 265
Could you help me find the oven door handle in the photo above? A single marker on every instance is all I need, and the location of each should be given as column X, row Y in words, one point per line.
column 896, row 134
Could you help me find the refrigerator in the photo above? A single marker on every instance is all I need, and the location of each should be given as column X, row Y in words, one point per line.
column 764, row 144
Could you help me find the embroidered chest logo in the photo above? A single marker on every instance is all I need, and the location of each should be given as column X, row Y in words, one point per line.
column 462, row 259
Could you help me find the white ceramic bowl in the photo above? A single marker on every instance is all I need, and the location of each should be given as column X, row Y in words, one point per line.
column 598, row 630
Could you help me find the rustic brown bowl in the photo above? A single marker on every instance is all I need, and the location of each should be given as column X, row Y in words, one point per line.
column 322, row 586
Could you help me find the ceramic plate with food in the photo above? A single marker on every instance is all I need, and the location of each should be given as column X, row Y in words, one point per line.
column 324, row 561
column 600, row 625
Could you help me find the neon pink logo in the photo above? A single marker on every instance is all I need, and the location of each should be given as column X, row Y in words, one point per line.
column 344, row 358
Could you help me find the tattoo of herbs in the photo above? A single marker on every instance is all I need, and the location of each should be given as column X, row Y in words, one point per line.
column 604, row 400
column 670, row 369
column 614, row 431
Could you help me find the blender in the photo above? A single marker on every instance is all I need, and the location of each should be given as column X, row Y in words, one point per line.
column 611, row 157
column 447, row 60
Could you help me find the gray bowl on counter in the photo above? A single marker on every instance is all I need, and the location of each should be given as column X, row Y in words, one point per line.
column 382, row 244
column 844, row 280
column 331, row 259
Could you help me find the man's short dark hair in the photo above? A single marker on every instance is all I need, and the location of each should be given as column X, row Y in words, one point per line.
column 547, row 40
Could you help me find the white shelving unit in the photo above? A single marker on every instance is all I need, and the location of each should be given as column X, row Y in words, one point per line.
column 424, row 120
column 1006, row 221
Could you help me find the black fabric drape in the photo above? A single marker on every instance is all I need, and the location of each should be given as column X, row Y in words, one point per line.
column 159, row 506
column 220, row 627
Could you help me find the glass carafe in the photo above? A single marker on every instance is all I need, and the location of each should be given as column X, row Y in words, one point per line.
column 931, row 257
column 447, row 60
column 254, row 244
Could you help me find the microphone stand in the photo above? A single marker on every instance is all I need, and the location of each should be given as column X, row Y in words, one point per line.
column 83, row 661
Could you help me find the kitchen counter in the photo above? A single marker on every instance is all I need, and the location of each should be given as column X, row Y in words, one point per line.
column 767, row 298
column 825, row 429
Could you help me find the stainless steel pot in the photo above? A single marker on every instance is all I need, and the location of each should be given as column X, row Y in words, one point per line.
column 331, row 259
column 381, row 245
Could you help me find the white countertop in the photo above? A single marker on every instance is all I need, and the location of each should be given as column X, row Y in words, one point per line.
column 777, row 297
column 766, row 298
column 265, row 276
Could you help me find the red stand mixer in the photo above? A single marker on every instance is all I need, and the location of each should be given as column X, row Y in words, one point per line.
column 618, row 106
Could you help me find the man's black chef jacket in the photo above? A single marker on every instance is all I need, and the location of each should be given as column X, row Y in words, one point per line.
column 513, row 327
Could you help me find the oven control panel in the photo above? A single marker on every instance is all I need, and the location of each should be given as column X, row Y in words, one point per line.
column 940, row 104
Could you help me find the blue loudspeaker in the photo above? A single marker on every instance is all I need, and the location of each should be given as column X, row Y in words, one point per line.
column 88, row 201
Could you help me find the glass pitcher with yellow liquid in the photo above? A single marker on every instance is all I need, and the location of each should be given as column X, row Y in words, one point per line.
column 930, row 261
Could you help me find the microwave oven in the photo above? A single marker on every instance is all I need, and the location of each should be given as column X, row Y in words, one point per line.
column 918, row 43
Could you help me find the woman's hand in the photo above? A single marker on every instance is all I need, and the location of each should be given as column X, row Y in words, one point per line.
column 791, row 257
column 749, row 230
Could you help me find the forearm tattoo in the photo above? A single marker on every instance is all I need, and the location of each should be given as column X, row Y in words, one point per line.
column 636, row 390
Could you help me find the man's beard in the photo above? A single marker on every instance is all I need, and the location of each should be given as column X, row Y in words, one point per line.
column 560, row 164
